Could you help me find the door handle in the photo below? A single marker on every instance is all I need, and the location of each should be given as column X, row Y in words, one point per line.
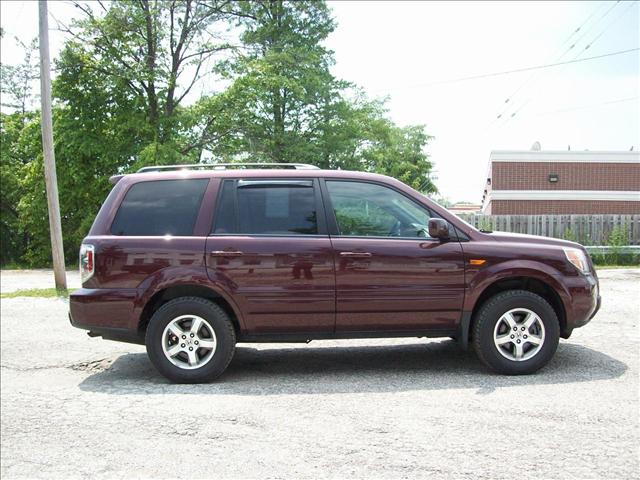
column 355, row 254
column 226, row 253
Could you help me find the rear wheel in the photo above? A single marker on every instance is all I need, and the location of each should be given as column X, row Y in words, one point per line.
column 516, row 332
column 190, row 340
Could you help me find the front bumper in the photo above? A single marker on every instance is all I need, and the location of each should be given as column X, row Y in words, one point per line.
column 598, row 304
column 583, row 303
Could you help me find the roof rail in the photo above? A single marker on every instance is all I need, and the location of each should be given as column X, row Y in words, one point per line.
column 224, row 166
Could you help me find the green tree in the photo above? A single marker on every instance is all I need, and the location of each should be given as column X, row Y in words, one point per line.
column 14, row 152
column 284, row 105
column 17, row 98
column 118, row 105
column 123, row 98
column 152, row 54
column 281, row 78
column 17, row 81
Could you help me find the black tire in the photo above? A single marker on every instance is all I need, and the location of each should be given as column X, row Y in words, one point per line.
column 489, row 315
column 207, row 310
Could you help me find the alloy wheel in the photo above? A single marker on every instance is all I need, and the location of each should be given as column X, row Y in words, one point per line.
column 189, row 342
column 519, row 334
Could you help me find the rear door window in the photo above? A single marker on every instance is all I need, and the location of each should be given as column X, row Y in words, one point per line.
column 157, row 208
column 267, row 207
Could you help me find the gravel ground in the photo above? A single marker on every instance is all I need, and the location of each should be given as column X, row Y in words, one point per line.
column 12, row 280
column 79, row 407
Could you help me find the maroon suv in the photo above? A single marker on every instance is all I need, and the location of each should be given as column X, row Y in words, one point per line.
column 190, row 260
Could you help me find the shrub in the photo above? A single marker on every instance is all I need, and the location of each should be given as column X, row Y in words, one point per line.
column 617, row 258
column 618, row 238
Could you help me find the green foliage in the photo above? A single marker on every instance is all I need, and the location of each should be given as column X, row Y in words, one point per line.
column 16, row 147
column 140, row 61
column 616, row 258
column 572, row 236
column 485, row 224
column 18, row 80
column 569, row 235
column 285, row 106
column 616, row 267
column 281, row 80
column 361, row 217
column 618, row 237
column 37, row 293
column 122, row 100
column 14, row 150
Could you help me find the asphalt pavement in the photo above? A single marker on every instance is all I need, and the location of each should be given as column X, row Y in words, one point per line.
column 77, row 407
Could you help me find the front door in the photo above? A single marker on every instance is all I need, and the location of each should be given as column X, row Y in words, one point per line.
column 270, row 251
column 390, row 274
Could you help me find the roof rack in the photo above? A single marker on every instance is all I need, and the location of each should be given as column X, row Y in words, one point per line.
column 224, row 166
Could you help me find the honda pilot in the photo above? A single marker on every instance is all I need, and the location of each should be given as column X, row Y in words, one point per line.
column 191, row 260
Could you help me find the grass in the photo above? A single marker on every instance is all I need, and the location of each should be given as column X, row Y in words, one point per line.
column 614, row 267
column 37, row 292
column 26, row 268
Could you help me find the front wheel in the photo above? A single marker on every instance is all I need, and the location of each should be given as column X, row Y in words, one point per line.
column 190, row 340
column 516, row 332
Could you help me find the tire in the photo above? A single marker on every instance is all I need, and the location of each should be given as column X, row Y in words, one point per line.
column 494, row 337
column 201, row 356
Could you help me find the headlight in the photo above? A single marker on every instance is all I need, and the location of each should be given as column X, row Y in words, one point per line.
column 578, row 258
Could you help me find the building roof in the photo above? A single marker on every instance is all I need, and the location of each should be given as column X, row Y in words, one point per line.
column 569, row 156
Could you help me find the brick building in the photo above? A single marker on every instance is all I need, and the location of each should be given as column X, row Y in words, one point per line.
column 533, row 182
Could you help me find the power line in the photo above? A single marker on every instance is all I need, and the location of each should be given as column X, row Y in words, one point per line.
column 557, row 58
column 575, row 59
column 584, row 107
column 608, row 25
column 596, row 10
column 517, row 70
column 584, row 34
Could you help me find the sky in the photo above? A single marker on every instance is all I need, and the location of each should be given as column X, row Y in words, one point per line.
column 410, row 52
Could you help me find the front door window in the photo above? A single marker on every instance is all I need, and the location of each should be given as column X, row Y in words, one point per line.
column 371, row 210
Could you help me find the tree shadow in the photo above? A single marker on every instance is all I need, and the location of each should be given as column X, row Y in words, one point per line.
column 387, row 368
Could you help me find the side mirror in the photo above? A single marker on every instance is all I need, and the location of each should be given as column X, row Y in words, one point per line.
column 439, row 228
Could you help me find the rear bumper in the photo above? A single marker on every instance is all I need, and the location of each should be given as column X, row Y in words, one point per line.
column 104, row 312
column 108, row 333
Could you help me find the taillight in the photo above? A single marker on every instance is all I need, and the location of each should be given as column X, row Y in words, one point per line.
column 87, row 262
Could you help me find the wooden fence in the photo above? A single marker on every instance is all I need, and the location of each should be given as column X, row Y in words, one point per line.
column 584, row 229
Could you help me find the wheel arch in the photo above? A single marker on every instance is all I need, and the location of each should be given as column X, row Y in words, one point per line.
column 168, row 293
column 525, row 282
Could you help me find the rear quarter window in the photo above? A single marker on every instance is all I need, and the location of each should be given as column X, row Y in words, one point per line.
column 162, row 207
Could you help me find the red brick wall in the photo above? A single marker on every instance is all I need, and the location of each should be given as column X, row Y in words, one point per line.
column 571, row 207
column 573, row 176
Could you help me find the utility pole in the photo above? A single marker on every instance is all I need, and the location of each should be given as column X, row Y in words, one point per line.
column 50, row 177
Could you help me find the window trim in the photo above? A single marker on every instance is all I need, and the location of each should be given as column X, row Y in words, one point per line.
column 261, row 182
column 234, row 184
column 131, row 186
column 248, row 183
column 332, row 222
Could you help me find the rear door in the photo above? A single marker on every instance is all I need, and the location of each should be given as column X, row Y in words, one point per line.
column 390, row 274
column 270, row 250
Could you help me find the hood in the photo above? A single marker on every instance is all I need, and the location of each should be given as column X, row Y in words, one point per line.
column 531, row 239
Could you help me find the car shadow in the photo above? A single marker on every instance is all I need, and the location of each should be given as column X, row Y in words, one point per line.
column 405, row 367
